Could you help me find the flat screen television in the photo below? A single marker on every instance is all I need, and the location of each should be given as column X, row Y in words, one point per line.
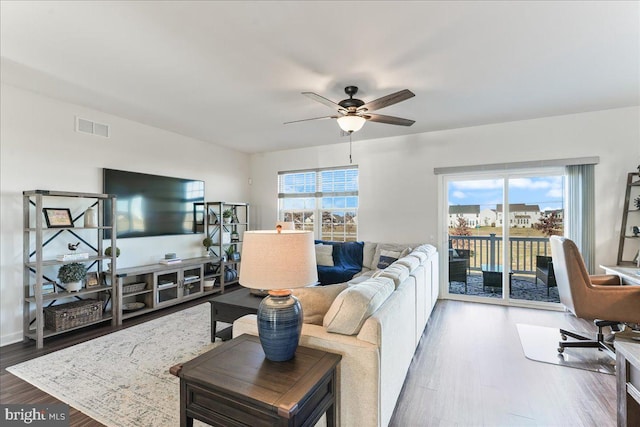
column 153, row 205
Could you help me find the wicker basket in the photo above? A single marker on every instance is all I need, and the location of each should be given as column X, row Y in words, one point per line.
column 77, row 313
column 133, row 287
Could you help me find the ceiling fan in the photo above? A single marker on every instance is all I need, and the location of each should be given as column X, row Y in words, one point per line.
column 353, row 112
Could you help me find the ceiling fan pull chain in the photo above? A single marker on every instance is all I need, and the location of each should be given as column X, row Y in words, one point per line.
column 350, row 161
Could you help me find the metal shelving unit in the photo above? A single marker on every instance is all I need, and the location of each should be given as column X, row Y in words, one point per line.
column 36, row 240
column 226, row 233
column 629, row 244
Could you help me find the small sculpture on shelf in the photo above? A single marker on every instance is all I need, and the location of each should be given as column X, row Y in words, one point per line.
column 73, row 247
column 635, row 230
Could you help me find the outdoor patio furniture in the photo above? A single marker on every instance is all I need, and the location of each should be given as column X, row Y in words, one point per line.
column 459, row 266
column 544, row 271
column 492, row 276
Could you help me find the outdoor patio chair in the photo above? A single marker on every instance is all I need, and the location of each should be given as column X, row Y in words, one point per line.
column 591, row 297
column 459, row 266
column 544, row 271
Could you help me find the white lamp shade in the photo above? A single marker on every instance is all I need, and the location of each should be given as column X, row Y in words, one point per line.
column 286, row 225
column 272, row 260
column 351, row 123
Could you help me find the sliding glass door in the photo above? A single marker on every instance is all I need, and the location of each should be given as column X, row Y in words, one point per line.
column 497, row 231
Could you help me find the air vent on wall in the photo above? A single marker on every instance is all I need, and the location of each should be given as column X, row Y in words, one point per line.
column 93, row 128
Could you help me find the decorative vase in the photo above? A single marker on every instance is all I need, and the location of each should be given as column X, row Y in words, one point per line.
column 230, row 274
column 279, row 326
column 73, row 286
column 90, row 218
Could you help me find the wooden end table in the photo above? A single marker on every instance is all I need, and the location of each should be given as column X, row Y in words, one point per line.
column 235, row 385
column 231, row 306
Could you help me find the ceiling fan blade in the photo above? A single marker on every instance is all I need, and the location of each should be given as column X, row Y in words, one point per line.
column 321, row 99
column 385, row 101
column 390, row 120
column 315, row 118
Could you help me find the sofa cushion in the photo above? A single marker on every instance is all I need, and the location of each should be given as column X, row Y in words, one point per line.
column 396, row 272
column 316, row 300
column 410, row 262
column 369, row 251
column 355, row 304
column 422, row 257
column 324, row 255
column 428, row 249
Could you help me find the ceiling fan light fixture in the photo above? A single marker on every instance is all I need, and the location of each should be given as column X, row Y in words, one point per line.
column 351, row 123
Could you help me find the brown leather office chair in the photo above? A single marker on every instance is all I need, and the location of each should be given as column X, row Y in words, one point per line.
column 591, row 297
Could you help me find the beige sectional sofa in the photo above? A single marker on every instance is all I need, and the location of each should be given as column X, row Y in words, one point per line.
column 375, row 322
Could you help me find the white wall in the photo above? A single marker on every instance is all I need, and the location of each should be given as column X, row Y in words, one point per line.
column 399, row 192
column 39, row 149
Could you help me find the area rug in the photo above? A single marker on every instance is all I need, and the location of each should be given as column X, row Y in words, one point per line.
column 540, row 343
column 122, row 379
column 521, row 289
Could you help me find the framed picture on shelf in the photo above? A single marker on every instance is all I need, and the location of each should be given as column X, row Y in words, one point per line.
column 48, row 288
column 57, row 217
column 235, row 257
column 91, row 280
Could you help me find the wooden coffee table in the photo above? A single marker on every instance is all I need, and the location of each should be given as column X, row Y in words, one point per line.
column 229, row 307
column 235, row 385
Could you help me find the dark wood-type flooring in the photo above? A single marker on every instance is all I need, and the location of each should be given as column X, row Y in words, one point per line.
column 469, row 370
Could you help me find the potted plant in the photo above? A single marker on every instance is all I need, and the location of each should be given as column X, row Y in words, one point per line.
column 207, row 243
column 108, row 252
column 227, row 215
column 71, row 275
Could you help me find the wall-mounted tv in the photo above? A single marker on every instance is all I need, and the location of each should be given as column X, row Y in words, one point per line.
column 153, row 205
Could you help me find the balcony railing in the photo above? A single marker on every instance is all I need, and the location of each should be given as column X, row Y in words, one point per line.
column 486, row 251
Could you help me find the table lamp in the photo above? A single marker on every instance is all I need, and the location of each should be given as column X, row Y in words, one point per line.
column 278, row 261
column 285, row 225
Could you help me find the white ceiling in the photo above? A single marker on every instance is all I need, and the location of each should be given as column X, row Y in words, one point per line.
column 231, row 73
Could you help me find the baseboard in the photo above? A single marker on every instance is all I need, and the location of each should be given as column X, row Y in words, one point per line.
column 10, row 339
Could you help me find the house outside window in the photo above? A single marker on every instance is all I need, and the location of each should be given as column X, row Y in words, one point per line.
column 324, row 201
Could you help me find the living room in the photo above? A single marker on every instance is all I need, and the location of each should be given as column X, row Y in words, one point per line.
column 559, row 92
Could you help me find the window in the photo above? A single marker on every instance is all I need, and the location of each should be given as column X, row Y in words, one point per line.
column 324, row 201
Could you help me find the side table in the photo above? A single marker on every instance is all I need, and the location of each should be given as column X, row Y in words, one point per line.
column 229, row 307
column 234, row 384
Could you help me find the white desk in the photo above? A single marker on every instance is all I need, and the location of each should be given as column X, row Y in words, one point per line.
column 629, row 275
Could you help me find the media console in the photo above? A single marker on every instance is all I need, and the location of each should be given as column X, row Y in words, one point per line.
column 151, row 287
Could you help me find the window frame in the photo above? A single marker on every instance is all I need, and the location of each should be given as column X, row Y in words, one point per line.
column 321, row 192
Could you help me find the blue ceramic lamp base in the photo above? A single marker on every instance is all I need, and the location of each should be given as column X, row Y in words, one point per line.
column 279, row 325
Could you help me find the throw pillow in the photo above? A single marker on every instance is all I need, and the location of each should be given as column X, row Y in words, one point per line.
column 354, row 305
column 324, row 255
column 393, row 247
column 316, row 300
column 387, row 258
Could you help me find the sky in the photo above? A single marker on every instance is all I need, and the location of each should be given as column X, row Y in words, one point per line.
column 546, row 192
